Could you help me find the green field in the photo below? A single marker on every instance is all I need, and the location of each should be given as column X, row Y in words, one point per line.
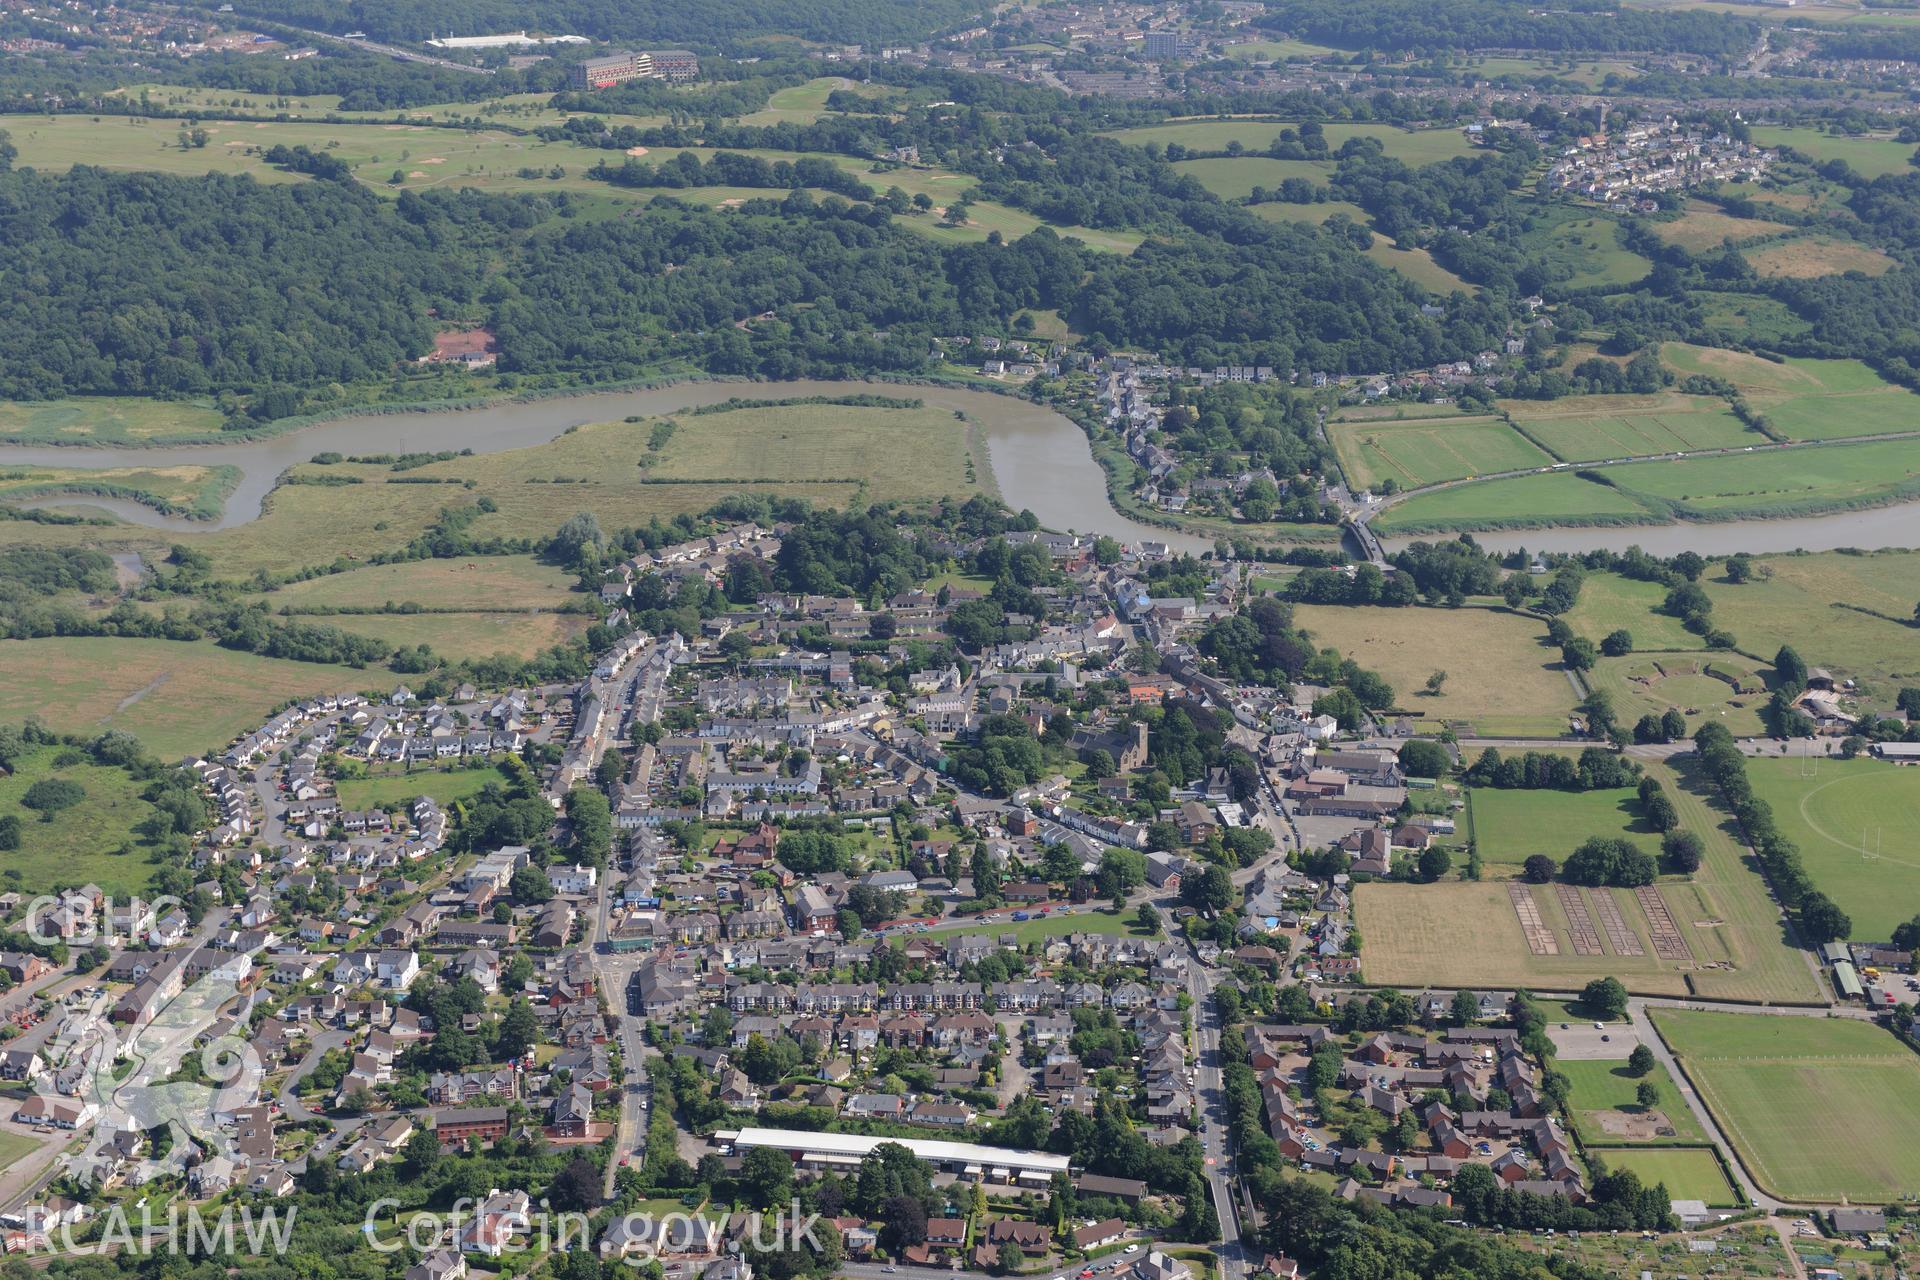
column 1702, row 227
column 462, row 582
column 1510, row 825
column 1234, row 178
column 1818, row 1109
column 1690, row 1173
column 1588, row 73
column 1601, row 1088
column 467, row 636
column 1869, row 157
column 397, row 790
column 1502, row 676
column 1805, row 257
column 1746, row 317
column 92, row 840
column 1582, row 252
column 1794, row 601
column 1414, row 148
column 107, row 420
column 1559, row 498
column 1830, row 808
column 1422, row 452
column 1609, row 602
column 1058, row 925
column 178, row 698
column 1316, row 213
column 1418, row 266
column 1805, row 398
column 1593, row 428
column 1766, row 483
column 1277, row 50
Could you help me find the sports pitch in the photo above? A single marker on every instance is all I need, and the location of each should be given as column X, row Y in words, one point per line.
column 1818, row 1108
column 1853, row 821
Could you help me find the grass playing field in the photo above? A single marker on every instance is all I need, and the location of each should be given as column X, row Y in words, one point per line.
column 1869, row 157
column 1465, row 933
column 1818, row 1109
column 1689, row 1173
column 1510, row 825
column 92, row 840
column 178, row 698
column 1592, row 428
column 1606, row 1106
column 1810, row 256
column 1830, row 808
column 107, row 420
column 1502, row 676
column 1794, row 602
column 1422, row 451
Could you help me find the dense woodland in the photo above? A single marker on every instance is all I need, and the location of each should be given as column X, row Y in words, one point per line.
column 706, row 23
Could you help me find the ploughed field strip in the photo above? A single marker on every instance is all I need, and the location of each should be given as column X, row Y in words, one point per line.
column 1580, row 930
column 1540, row 939
column 1624, row 941
column 1668, row 942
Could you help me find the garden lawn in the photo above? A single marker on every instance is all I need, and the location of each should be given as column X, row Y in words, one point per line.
column 91, row 840
column 1510, row 825
column 178, row 698
column 1502, row 676
column 1420, row 452
column 1818, row 1109
column 1830, row 808
column 1601, row 1087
